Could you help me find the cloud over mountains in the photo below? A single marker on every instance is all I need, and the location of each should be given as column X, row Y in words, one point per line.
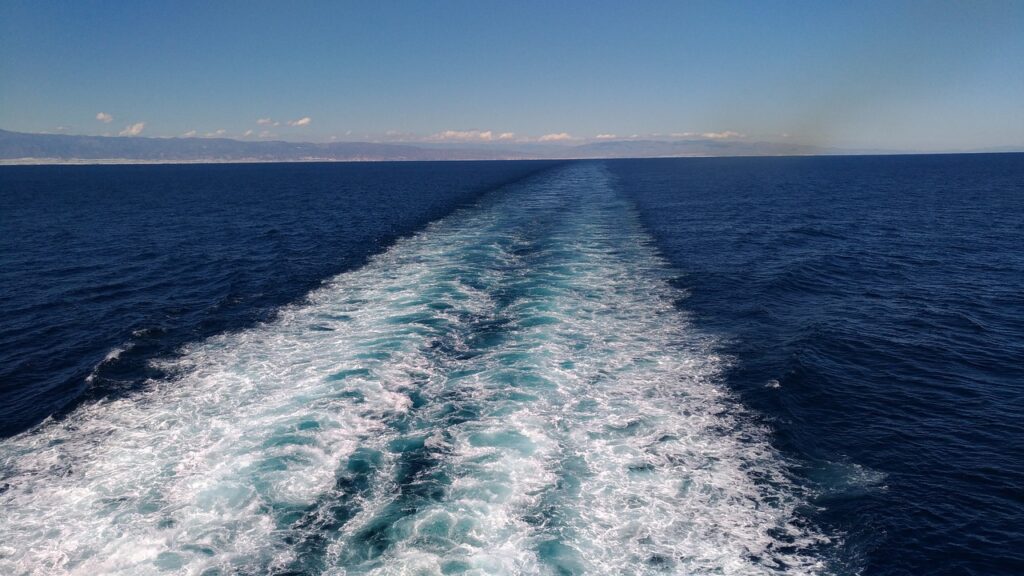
column 449, row 145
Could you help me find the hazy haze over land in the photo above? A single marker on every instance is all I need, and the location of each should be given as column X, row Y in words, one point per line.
column 24, row 148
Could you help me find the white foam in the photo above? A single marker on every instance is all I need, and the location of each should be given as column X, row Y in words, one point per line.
column 631, row 459
column 253, row 420
column 601, row 442
column 111, row 356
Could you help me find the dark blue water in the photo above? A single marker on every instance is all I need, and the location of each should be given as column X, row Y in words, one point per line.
column 141, row 259
column 866, row 312
column 874, row 308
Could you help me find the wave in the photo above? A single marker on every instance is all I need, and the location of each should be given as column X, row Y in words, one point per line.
column 509, row 391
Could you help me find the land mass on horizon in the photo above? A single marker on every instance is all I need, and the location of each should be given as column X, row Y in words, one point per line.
column 29, row 148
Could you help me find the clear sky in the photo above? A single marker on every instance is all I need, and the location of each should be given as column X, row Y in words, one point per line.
column 887, row 75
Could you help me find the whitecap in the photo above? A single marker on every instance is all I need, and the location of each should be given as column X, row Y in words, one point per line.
column 510, row 391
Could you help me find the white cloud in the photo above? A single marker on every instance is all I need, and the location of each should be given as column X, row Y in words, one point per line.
column 722, row 135
column 216, row 133
column 304, row 121
column 266, row 122
column 267, row 134
column 556, row 137
column 471, row 136
column 466, row 135
column 605, row 137
column 728, row 134
column 247, row 133
column 189, row 134
column 132, row 129
column 104, row 117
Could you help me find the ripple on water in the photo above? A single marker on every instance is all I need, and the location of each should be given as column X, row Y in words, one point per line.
column 509, row 391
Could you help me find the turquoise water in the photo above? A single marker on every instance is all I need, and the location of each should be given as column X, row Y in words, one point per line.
column 511, row 390
column 684, row 366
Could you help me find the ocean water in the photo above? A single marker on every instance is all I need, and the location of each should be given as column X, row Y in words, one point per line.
column 104, row 267
column 873, row 309
column 692, row 366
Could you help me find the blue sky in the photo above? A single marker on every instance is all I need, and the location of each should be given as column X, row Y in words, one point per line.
column 887, row 75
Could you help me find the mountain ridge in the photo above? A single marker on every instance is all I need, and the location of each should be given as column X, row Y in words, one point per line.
column 32, row 148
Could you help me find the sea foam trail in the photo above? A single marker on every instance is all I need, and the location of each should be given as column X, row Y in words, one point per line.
column 510, row 391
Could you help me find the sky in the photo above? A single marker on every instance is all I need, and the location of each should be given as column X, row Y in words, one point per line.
column 913, row 76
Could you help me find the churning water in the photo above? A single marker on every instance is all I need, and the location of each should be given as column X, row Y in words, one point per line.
column 532, row 383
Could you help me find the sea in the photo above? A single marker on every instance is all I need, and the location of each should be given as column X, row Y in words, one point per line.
column 739, row 366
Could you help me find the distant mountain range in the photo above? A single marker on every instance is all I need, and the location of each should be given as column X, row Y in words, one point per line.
column 59, row 147
column 694, row 147
column 25, row 148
